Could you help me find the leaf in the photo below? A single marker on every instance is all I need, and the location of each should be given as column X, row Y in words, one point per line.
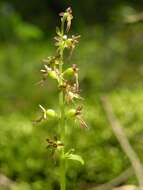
column 75, row 157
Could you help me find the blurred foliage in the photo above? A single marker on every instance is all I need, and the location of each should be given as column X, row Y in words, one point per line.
column 110, row 61
column 41, row 13
column 12, row 27
column 32, row 167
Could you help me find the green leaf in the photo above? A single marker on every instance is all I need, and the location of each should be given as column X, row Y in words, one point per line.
column 75, row 157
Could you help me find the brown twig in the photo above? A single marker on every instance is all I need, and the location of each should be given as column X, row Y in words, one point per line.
column 5, row 182
column 120, row 135
column 118, row 180
column 135, row 18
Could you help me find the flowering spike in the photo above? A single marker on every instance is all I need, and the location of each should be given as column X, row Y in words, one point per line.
column 69, row 92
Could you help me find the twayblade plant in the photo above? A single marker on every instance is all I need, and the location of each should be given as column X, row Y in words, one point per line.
column 68, row 86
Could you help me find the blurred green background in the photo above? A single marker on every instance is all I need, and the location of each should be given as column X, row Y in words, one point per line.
column 109, row 56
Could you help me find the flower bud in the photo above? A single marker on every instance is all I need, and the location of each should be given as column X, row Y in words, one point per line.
column 53, row 75
column 51, row 113
column 71, row 113
column 68, row 72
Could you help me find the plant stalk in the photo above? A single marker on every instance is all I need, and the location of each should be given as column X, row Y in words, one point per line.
column 62, row 128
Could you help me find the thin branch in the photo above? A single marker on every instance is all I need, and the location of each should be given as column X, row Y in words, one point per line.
column 123, row 177
column 5, row 182
column 126, row 187
column 135, row 18
column 120, row 135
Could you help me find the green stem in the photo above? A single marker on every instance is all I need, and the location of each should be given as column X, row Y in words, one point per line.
column 62, row 128
column 62, row 173
column 62, row 118
column 62, row 25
